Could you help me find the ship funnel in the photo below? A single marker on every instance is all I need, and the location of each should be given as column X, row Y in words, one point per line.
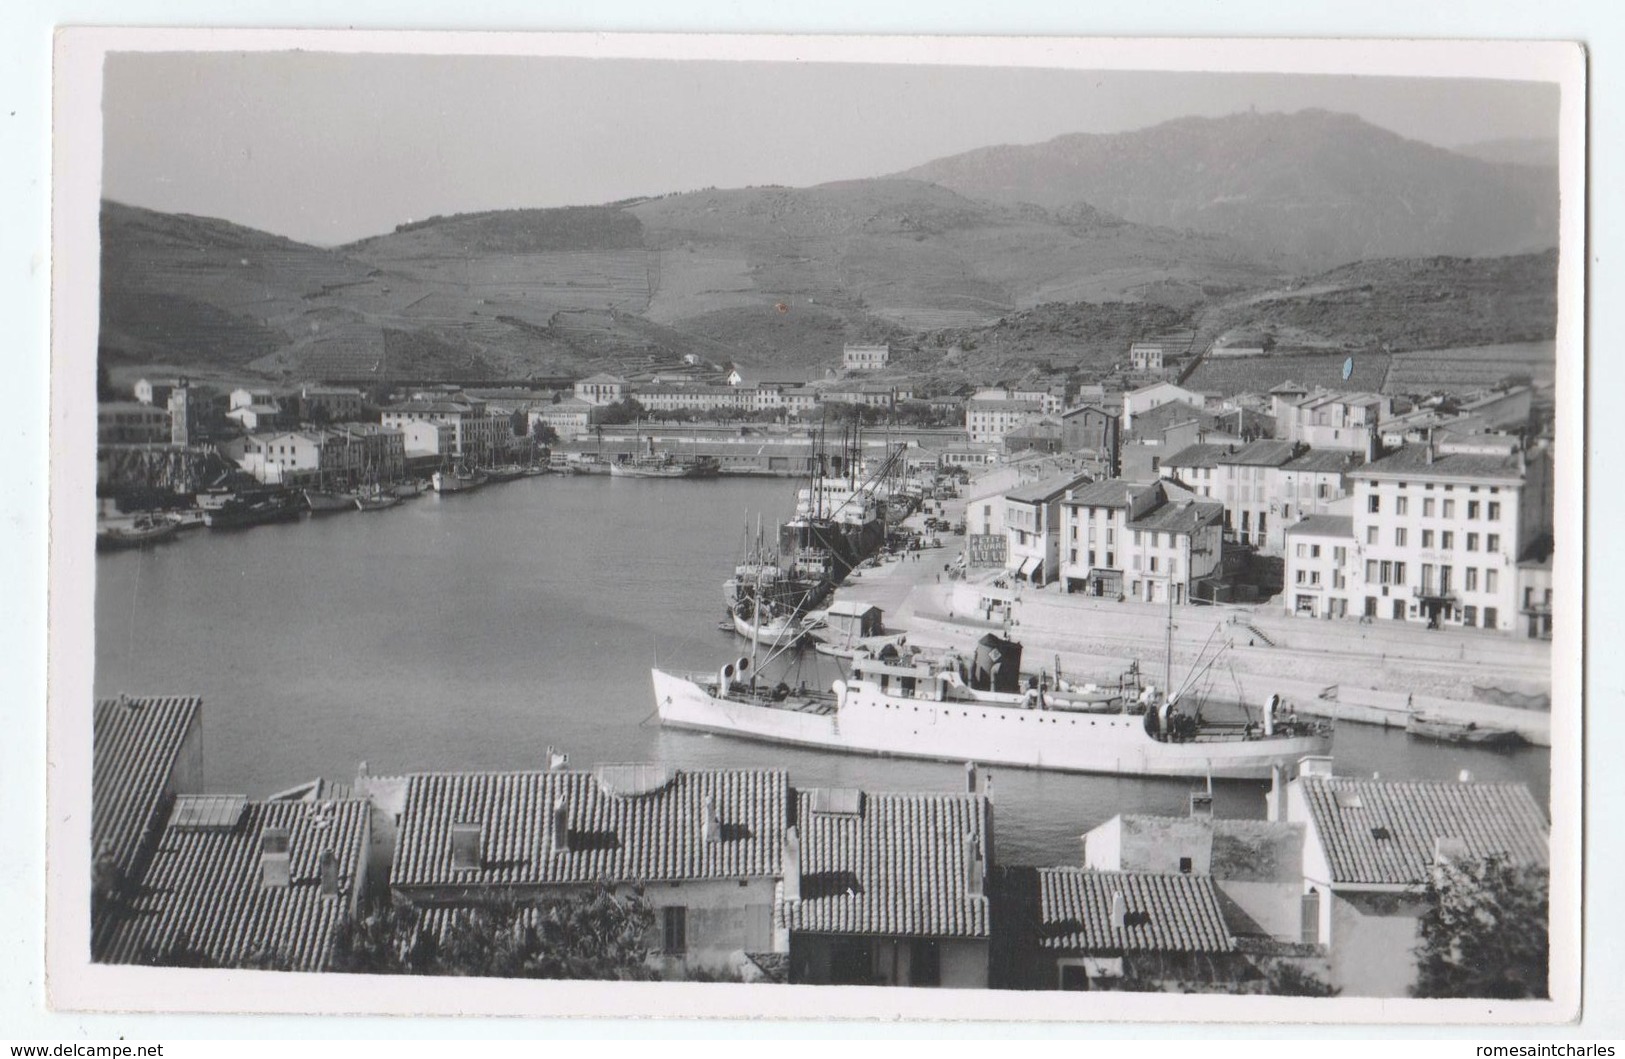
column 742, row 666
column 725, row 676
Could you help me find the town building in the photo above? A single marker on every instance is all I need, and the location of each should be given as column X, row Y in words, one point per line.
column 281, row 456
column 131, row 423
column 1242, row 478
column 1146, row 357
column 155, row 392
column 145, row 751
column 1370, row 849
column 1032, row 522
column 989, row 419
column 1440, row 534
column 258, row 417
column 1321, row 554
column 706, row 846
column 1094, row 432
column 871, row 394
column 864, row 358
column 887, row 889
column 1327, row 420
column 478, row 435
column 331, row 404
column 1154, row 542
column 1157, row 393
column 1535, row 587
column 601, row 389
column 569, row 418
column 1040, row 435
column 233, row 883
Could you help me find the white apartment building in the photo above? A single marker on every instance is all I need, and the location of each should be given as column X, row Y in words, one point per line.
column 1032, row 519
column 991, row 418
column 1440, row 534
column 569, row 418
column 1158, row 393
column 1141, row 542
column 1320, row 559
column 601, row 389
column 1326, row 420
column 477, row 434
column 865, row 358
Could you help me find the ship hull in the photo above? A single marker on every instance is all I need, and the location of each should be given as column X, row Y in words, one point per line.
column 867, row 722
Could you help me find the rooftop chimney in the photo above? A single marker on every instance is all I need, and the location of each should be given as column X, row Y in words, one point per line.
column 710, row 825
column 465, row 846
column 561, row 827
column 792, row 864
column 975, row 867
column 329, row 868
column 276, row 872
column 1119, row 910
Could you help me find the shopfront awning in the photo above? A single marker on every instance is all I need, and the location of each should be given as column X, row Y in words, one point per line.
column 1026, row 564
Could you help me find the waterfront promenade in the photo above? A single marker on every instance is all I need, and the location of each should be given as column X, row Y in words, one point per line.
column 1376, row 673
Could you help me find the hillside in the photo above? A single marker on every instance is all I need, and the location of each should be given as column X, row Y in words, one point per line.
column 1322, row 188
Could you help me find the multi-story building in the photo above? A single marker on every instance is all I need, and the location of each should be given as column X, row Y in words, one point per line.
column 478, row 435
column 1311, row 483
column 156, row 393
column 1321, row 556
column 601, row 389
column 991, row 418
column 1139, row 541
column 1243, row 478
column 1094, row 432
column 1326, row 420
column 1032, row 521
column 131, row 423
column 1146, row 357
column 1158, row 393
column 864, row 358
column 872, row 394
column 280, row 456
column 569, row 418
column 1040, row 435
column 334, row 404
column 1441, row 532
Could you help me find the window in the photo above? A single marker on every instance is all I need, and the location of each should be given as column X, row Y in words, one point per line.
column 1447, row 540
column 1489, row 618
column 1402, row 505
column 1314, row 577
column 1373, row 503
column 1370, row 571
column 1314, row 551
column 1399, row 536
column 1470, row 579
column 1371, row 534
column 1303, row 549
column 1491, row 580
column 1185, row 865
column 1091, row 557
column 1340, row 555
column 674, row 930
column 1153, row 564
column 1387, row 572
column 1427, row 538
column 1136, row 562
column 1472, row 509
column 1492, row 543
column 1472, row 542
column 1427, row 506
column 1449, row 508
column 1303, row 576
column 1493, row 512
column 1469, row 616
column 1074, row 555
column 1399, row 573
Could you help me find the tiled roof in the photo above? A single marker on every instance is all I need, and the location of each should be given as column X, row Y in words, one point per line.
column 1165, row 913
column 1091, row 409
column 137, row 742
column 1412, row 461
column 1260, row 454
column 895, row 867
column 1324, row 460
column 1198, row 455
column 1323, row 526
column 601, row 379
column 649, row 837
column 205, row 890
column 1108, row 492
column 1047, row 489
column 1377, row 831
column 1180, row 516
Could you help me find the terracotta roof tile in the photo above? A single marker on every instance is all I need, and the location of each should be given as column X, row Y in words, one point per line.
column 1165, row 913
column 1352, row 816
column 654, row 836
column 136, row 747
column 895, row 867
column 204, row 887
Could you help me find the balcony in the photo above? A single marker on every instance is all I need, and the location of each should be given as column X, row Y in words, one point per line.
column 1443, row 594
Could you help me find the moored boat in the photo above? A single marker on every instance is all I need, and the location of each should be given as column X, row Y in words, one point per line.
column 1447, row 730
column 138, row 532
column 939, row 710
column 271, row 507
column 324, row 502
column 376, row 501
column 461, row 480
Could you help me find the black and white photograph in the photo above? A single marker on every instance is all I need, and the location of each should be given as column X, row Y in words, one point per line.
column 916, row 527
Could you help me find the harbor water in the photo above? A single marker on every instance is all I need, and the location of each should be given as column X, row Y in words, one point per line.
column 474, row 631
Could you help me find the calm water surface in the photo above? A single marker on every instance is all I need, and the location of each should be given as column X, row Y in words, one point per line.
column 473, row 631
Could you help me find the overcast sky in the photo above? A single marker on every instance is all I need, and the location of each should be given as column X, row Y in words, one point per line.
column 328, row 148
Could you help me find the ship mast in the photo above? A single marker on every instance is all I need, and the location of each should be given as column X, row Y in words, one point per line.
column 1168, row 656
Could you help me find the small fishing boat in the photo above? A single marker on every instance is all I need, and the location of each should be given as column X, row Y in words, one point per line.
column 271, row 507
column 324, row 502
column 408, row 489
column 1471, row 733
column 461, row 480
column 139, row 532
column 376, row 501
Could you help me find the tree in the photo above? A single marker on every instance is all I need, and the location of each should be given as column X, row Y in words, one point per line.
column 623, row 411
column 595, row 933
column 1484, row 931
